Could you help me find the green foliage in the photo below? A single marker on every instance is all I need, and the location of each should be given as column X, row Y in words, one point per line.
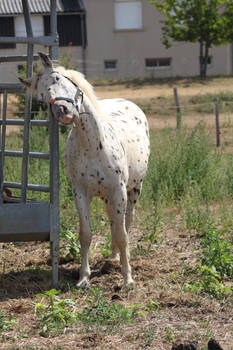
column 216, row 249
column 204, row 21
column 56, row 314
column 217, row 252
column 66, row 61
column 105, row 248
column 152, row 305
column 71, row 246
column 100, row 313
column 195, row 214
column 6, row 322
column 207, row 280
column 152, row 226
column 184, row 160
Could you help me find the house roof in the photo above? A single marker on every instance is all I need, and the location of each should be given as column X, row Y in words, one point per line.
column 14, row 7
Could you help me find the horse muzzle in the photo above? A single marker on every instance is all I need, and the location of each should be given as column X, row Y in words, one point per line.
column 62, row 112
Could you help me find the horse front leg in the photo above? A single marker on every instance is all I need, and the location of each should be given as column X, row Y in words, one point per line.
column 85, row 237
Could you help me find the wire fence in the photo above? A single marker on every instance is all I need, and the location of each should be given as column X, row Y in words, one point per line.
column 215, row 106
column 218, row 112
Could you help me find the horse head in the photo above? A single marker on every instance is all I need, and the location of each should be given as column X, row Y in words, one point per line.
column 55, row 89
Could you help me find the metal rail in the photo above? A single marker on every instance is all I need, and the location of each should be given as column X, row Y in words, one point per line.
column 21, row 122
column 18, row 58
column 39, row 40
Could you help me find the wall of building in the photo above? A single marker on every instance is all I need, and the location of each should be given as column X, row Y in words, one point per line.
column 129, row 48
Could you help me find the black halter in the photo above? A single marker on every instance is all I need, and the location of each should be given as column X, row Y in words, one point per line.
column 71, row 100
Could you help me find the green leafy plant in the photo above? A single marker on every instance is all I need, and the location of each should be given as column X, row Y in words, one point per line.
column 196, row 216
column 180, row 161
column 56, row 313
column 6, row 322
column 105, row 248
column 153, row 225
column 199, row 21
column 100, row 313
column 217, row 252
column 207, row 280
column 71, row 245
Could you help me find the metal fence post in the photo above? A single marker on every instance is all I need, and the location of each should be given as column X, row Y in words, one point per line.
column 218, row 132
column 178, row 111
column 54, row 164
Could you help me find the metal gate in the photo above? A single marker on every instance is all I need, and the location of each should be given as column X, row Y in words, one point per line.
column 22, row 219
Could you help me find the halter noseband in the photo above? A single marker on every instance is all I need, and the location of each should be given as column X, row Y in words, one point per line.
column 71, row 100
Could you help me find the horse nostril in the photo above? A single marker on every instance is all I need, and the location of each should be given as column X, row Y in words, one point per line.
column 65, row 109
column 62, row 109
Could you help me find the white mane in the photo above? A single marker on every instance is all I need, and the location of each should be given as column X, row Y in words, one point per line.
column 78, row 78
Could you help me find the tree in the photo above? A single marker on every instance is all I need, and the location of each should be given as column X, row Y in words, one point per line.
column 208, row 22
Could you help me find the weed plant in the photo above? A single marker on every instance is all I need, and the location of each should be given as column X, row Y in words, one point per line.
column 182, row 160
column 6, row 322
column 57, row 313
column 215, row 262
column 100, row 313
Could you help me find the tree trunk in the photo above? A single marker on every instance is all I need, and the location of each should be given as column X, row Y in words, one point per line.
column 206, row 59
column 203, row 59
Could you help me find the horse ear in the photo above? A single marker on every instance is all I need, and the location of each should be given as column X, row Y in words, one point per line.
column 26, row 82
column 47, row 63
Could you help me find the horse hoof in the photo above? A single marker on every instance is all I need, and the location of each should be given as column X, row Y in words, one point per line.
column 129, row 284
column 115, row 256
column 83, row 284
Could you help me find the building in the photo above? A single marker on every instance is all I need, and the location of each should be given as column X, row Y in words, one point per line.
column 109, row 39
column 71, row 25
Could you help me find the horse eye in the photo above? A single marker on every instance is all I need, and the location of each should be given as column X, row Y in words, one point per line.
column 57, row 78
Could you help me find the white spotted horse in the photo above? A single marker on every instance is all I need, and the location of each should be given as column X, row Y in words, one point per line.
column 106, row 154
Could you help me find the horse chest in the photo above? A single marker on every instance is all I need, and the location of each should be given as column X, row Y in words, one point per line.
column 96, row 170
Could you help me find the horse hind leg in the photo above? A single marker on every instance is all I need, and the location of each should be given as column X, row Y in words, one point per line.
column 114, row 247
column 116, row 210
column 132, row 198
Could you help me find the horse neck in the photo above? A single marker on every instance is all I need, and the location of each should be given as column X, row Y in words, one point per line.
column 88, row 127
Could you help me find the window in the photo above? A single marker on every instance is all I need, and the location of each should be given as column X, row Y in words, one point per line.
column 110, row 64
column 157, row 62
column 37, row 25
column 128, row 15
column 69, row 29
column 7, row 29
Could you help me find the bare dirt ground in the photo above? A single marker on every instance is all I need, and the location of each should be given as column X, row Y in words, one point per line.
column 189, row 87
column 177, row 317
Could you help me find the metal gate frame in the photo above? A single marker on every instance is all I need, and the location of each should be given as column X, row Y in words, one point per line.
column 31, row 220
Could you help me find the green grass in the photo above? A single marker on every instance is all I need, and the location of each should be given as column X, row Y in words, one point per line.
column 181, row 161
